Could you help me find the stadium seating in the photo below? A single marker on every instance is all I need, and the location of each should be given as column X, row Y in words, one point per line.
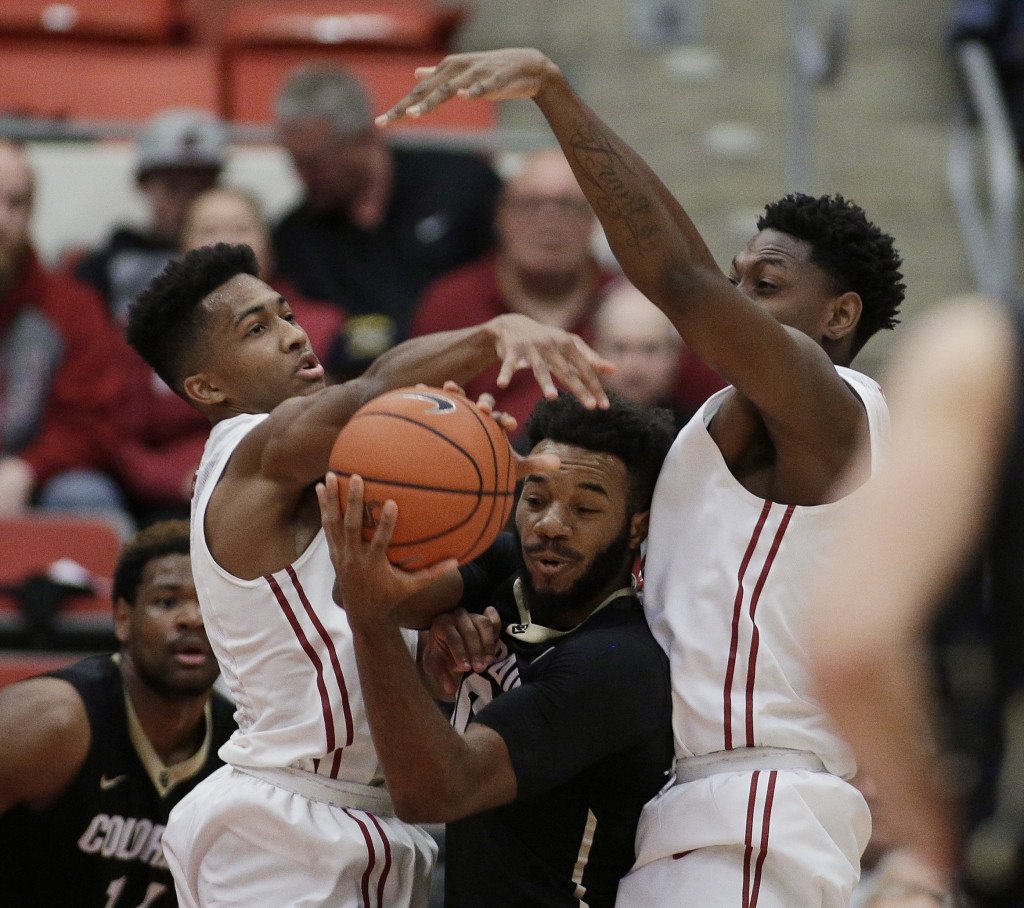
column 32, row 546
column 133, row 20
column 16, row 666
column 87, row 80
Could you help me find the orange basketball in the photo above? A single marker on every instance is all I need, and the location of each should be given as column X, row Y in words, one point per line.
column 445, row 464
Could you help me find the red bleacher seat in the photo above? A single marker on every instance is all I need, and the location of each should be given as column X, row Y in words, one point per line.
column 138, row 20
column 16, row 666
column 104, row 80
column 255, row 74
column 30, row 545
column 411, row 24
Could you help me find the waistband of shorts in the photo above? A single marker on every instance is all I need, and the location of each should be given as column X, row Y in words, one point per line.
column 338, row 792
column 745, row 759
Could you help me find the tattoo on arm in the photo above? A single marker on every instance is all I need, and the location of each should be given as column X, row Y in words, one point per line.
column 605, row 168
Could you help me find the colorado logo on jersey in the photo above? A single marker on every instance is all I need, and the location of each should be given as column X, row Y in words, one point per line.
column 479, row 689
column 124, row 839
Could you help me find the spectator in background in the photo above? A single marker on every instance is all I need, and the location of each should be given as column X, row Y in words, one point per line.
column 96, row 755
column 59, row 384
column 180, row 154
column 162, row 437
column 635, row 335
column 376, row 223
column 542, row 267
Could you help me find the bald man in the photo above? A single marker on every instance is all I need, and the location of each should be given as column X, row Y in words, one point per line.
column 542, row 267
column 58, row 383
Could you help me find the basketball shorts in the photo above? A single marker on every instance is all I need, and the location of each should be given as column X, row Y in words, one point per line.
column 239, row 840
column 765, row 839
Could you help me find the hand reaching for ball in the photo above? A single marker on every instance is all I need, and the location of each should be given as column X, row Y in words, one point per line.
column 367, row 585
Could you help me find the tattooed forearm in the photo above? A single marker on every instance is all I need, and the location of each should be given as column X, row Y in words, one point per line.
column 608, row 172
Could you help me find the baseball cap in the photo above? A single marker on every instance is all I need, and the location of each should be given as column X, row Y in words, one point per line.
column 182, row 138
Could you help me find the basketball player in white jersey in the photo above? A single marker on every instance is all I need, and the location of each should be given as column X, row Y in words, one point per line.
column 299, row 815
column 760, row 812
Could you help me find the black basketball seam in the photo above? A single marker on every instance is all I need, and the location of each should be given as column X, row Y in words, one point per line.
column 416, row 422
column 494, row 471
column 423, row 488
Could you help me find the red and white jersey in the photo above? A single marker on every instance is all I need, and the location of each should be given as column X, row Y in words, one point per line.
column 727, row 586
column 284, row 648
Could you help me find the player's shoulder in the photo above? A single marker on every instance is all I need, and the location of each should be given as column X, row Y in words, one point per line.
column 617, row 636
column 41, row 708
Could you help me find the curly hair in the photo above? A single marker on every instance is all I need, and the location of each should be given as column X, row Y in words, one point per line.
column 639, row 436
column 855, row 253
column 169, row 537
column 165, row 323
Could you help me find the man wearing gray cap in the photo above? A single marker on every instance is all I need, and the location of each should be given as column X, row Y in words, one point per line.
column 377, row 223
column 180, row 154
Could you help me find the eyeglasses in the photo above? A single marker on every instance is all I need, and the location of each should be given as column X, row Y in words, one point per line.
column 532, row 205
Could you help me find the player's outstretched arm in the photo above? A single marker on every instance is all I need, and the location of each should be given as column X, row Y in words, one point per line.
column 46, row 737
column 787, row 376
column 910, row 530
column 433, row 774
column 292, row 446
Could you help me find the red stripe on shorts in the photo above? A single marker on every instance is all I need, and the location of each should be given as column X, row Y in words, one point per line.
column 737, row 609
column 332, row 652
column 371, row 856
column 387, row 858
column 307, row 648
column 755, row 635
column 765, row 822
column 749, row 838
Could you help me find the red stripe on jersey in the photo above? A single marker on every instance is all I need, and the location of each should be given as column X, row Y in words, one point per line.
column 387, row 858
column 749, row 838
column 736, row 611
column 336, row 763
column 371, row 856
column 766, row 819
column 307, row 648
column 755, row 635
column 332, row 652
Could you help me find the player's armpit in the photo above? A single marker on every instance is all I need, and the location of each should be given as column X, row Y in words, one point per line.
column 46, row 737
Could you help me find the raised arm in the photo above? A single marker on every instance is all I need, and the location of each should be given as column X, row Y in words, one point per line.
column 783, row 373
column 292, row 446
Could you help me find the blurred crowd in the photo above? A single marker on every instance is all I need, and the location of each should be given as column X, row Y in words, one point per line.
column 385, row 243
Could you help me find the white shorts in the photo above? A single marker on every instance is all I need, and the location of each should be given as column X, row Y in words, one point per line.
column 766, row 839
column 237, row 840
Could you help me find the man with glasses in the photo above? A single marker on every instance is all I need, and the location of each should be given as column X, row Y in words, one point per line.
column 543, row 267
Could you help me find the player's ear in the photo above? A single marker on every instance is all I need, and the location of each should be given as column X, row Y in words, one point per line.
column 122, row 619
column 204, row 390
column 638, row 528
column 845, row 315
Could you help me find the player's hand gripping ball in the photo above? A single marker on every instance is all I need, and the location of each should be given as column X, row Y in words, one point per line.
column 446, row 465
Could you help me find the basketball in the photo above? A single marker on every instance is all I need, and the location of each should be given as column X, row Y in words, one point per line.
column 445, row 464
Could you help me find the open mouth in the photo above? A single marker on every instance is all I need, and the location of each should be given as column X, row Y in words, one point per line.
column 310, row 368
column 548, row 565
column 191, row 656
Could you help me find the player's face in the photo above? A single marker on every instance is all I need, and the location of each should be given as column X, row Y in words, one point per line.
column 258, row 354
column 162, row 633
column 573, row 525
column 776, row 271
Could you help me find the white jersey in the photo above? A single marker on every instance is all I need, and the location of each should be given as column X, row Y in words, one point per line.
column 284, row 648
column 727, row 585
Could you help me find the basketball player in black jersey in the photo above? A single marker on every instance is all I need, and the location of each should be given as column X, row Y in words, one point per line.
column 951, row 495
column 566, row 734
column 93, row 757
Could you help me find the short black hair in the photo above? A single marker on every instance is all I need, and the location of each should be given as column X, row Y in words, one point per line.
column 169, row 537
column 639, row 436
column 164, row 324
column 855, row 253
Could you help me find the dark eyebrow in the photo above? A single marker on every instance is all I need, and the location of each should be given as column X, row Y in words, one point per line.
column 535, row 477
column 594, row 487
column 252, row 310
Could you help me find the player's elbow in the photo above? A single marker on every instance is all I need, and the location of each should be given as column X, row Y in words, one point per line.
column 425, row 803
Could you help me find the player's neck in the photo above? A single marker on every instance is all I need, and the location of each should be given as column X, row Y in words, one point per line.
column 174, row 725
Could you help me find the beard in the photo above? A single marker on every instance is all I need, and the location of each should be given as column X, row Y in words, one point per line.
column 604, row 567
column 162, row 679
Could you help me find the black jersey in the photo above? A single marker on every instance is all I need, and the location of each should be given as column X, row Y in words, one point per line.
column 587, row 722
column 99, row 843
